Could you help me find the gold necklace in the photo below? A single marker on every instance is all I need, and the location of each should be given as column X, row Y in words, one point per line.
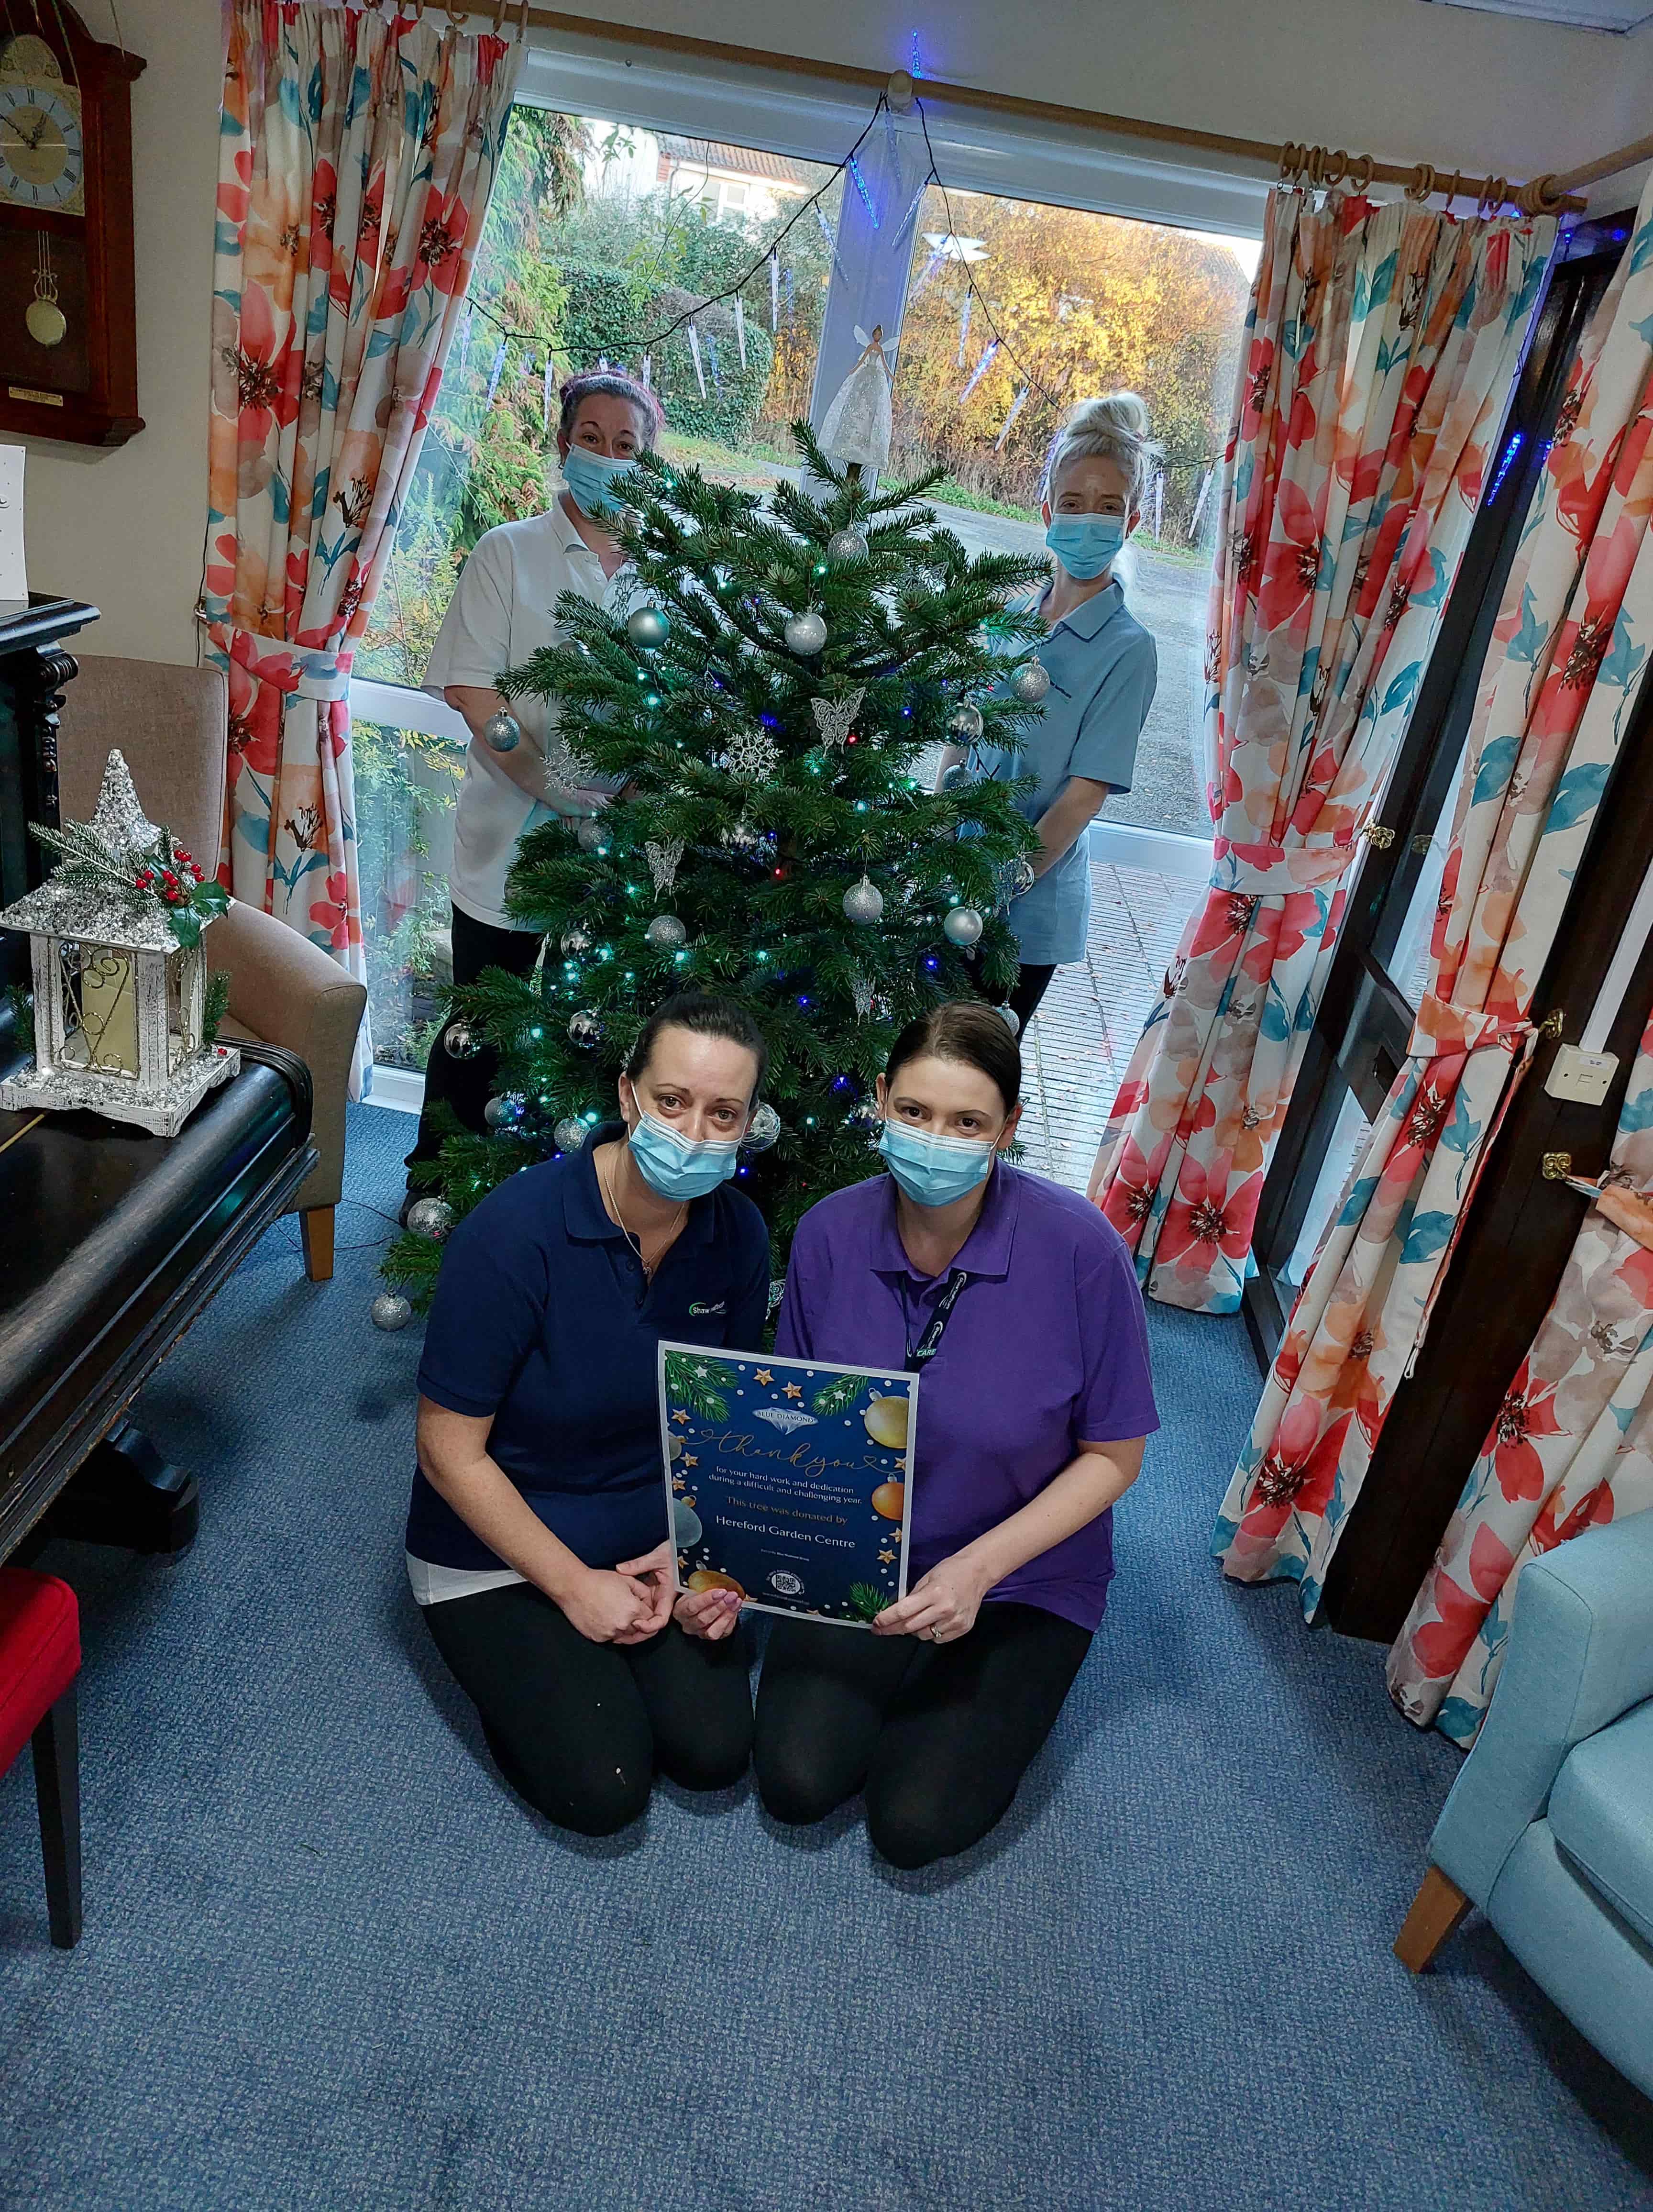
column 636, row 1242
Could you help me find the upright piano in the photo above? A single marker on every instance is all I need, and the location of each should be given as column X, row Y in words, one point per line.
column 111, row 1241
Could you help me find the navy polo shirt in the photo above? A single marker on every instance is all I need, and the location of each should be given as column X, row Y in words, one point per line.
column 542, row 1320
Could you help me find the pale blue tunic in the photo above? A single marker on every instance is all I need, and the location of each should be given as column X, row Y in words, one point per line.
column 1103, row 667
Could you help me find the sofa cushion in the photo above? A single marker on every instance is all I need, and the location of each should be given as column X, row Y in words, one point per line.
column 1602, row 1814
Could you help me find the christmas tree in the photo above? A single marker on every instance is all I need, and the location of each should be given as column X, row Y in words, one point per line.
column 769, row 700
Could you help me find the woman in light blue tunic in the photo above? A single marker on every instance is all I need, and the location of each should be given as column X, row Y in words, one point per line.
column 1103, row 669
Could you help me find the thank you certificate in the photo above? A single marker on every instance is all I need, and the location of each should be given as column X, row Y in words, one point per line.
column 786, row 1480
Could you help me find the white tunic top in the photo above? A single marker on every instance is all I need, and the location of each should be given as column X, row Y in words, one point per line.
column 501, row 611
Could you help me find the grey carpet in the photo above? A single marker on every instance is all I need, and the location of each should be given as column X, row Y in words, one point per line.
column 329, row 1962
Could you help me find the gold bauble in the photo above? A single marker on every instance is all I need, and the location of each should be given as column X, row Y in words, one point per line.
column 890, row 1500
column 886, row 1422
column 708, row 1578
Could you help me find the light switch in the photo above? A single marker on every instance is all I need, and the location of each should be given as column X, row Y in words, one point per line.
column 1584, row 1077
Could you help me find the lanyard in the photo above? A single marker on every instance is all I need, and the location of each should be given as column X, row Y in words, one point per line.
column 919, row 1355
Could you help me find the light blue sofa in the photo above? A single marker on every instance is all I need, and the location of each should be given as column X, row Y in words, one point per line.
column 1549, row 1827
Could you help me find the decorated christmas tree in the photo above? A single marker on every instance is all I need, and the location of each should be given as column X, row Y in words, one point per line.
column 769, row 700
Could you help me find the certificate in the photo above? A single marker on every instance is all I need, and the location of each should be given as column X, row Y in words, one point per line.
column 785, row 1480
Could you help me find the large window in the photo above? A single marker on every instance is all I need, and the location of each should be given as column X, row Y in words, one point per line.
column 612, row 243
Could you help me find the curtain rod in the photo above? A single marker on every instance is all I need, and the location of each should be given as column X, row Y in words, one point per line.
column 1606, row 164
column 1546, row 194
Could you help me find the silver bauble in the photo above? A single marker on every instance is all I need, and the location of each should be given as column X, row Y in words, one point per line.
column 591, row 837
column 847, row 545
column 764, row 1128
column 1019, row 877
column 576, row 941
column 585, row 1029
column 502, row 732
column 460, row 1041
column 1031, row 682
column 666, row 933
column 647, row 627
column 430, row 1217
column 499, row 1113
column 390, row 1310
column 967, row 724
column 740, row 838
column 963, row 927
column 686, row 1530
column 805, row 632
column 955, row 777
column 569, row 1134
column 864, row 901
column 1010, row 1018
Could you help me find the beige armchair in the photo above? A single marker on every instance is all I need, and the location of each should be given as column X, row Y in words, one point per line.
column 172, row 725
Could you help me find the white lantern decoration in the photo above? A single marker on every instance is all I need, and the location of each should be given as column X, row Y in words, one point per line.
column 120, row 980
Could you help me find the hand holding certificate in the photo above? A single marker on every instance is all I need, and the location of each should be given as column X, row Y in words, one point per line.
column 786, row 1480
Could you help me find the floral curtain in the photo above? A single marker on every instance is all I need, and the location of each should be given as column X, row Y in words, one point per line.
column 1563, row 668
column 355, row 158
column 1382, row 348
column 1572, row 1445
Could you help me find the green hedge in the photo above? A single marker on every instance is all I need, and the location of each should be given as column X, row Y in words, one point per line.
column 602, row 308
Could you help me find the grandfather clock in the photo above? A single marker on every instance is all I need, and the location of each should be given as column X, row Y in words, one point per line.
column 67, row 314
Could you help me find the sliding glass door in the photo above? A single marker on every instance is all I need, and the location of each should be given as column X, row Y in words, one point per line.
column 1382, row 965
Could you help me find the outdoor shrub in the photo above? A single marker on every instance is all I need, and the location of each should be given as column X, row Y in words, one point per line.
column 733, row 394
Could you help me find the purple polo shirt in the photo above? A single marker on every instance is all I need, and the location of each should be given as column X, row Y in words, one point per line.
column 1046, row 1348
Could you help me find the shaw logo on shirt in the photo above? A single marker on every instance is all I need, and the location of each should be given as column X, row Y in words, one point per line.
column 706, row 1306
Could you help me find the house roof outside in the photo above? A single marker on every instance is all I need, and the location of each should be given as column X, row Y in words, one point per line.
column 775, row 169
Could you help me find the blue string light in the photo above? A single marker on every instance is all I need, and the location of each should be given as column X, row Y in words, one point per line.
column 1516, row 442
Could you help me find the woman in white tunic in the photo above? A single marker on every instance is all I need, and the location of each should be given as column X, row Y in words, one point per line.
column 503, row 610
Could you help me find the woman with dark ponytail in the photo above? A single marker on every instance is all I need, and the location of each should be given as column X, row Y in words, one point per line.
column 1018, row 1305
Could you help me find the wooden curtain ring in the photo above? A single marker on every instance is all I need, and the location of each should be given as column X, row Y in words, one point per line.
column 1492, row 194
column 1360, row 171
column 1421, row 183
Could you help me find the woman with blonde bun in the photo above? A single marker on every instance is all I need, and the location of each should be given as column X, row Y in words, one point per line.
column 1103, row 668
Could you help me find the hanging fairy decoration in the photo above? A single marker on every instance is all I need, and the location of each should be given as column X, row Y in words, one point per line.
column 858, row 425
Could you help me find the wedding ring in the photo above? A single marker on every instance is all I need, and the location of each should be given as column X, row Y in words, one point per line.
column 935, row 1636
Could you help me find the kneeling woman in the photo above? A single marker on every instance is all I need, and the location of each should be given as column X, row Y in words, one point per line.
column 1019, row 1307
column 537, row 1535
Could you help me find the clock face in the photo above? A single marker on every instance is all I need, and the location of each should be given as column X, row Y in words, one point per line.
column 42, row 149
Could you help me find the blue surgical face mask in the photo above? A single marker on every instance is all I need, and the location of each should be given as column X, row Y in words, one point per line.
column 678, row 1166
column 588, row 477
column 933, row 1170
column 1086, row 544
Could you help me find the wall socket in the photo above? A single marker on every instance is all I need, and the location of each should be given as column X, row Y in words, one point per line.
column 1584, row 1077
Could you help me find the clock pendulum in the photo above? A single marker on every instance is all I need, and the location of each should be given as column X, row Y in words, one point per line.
column 46, row 319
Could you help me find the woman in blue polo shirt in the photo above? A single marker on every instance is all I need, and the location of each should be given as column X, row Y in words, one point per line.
column 1018, row 1306
column 537, row 1536
column 1103, row 668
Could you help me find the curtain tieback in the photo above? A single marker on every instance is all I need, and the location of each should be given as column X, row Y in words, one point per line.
column 300, row 672
column 1441, row 1028
column 1268, row 870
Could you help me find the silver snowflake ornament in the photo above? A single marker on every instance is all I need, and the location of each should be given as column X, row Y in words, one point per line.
column 754, row 756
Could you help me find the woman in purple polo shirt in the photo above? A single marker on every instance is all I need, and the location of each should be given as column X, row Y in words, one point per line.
column 1019, row 1305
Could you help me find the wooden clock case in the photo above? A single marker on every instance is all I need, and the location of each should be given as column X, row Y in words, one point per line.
column 84, row 390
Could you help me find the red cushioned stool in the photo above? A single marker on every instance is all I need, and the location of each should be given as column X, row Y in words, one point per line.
column 40, row 1658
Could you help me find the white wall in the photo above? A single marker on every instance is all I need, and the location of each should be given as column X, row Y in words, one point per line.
column 123, row 529
column 1397, row 78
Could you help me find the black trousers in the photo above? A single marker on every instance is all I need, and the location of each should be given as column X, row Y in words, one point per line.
column 466, row 1085
column 1032, row 984
column 579, row 1729
column 937, row 1736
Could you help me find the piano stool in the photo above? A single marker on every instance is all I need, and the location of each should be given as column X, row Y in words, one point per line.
column 39, row 1659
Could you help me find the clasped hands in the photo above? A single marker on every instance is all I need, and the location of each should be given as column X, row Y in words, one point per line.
column 631, row 1602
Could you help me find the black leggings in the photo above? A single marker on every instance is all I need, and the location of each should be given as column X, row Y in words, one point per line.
column 466, row 1085
column 938, row 1735
column 1032, row 984
column 578, row 1728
